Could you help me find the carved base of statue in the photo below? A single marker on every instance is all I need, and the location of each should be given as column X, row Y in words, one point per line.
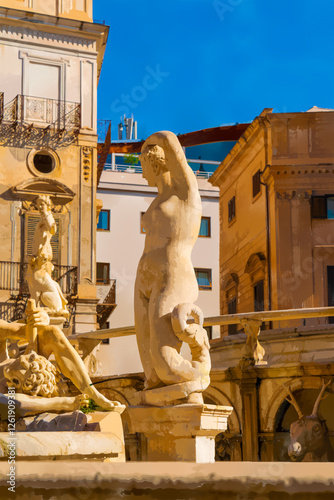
column 180, row 433
column 72, row 435
column 170, row 395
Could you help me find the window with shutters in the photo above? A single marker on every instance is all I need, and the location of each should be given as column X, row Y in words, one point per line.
column 231, row 209
column 204, row 278
column 31, row 221
column 205, row 228
column 256, row 183
column 259, row 296
column 103, row 273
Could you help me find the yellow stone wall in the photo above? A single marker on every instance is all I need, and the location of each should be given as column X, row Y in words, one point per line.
column 81, row 10
column 296, row 153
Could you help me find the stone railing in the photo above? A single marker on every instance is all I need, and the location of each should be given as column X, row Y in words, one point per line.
column 251, row 322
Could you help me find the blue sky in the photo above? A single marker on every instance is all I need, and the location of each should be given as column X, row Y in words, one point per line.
column 183, row 65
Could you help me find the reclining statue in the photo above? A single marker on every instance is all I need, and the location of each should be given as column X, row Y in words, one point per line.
column 34, row 378
column 166, row 286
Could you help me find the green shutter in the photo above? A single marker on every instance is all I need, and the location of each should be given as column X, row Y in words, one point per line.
column 31, row 221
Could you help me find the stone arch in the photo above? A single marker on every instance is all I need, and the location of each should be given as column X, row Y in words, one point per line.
column 220, row 398
column 255, row 267
column 279, row 396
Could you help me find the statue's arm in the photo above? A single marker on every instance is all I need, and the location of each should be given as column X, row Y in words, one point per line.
column 12, row 330
column 175, row 157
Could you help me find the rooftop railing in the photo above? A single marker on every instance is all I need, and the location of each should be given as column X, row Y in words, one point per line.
column 137, row 169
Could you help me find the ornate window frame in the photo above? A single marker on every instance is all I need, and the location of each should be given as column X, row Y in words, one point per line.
column 61, row 63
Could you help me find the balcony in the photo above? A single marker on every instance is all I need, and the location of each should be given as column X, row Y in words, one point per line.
column 13, row 280
column 107, row 306
column 36, row 118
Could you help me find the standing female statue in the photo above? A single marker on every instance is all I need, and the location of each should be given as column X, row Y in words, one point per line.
column 166, row 285
column 43, row 289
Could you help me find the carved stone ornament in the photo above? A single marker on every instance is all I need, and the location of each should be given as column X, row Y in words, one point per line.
column 293, row 195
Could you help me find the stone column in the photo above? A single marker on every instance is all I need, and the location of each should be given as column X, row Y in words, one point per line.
column 235, row 445
column 267, row 447
column 180, row 433
column 250, row 445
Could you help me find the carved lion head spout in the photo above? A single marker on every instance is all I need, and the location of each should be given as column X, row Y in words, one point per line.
column 34, row 375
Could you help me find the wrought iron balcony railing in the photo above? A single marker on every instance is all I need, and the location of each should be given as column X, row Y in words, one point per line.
column 13, row 278
column 41, row 112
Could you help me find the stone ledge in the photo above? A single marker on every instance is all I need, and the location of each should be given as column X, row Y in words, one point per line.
column 255, row 479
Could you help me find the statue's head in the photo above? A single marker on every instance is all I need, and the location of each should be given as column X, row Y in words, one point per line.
column 34, row 375
column 43, row 202
column 153, row 163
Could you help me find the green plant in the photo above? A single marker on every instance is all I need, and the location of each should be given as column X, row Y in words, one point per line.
column 88, row 406
column 131, row 159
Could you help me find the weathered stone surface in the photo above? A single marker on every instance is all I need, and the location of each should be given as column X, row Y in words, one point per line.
column 180, row 433
column 54, row 445
column 98, row 481
column 165, row 283
column 51, row 422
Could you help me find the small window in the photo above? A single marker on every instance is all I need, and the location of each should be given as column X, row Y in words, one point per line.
column 142, row 230
column 259, row 296
column 103, row 273
column 322, row 207
column 208, row 331
column 256, row 183
column 205, row 229
column 231, row 209
column 44, row 163
column 232, row 309
column 319, row 207
column 330, row 208
column 204, row 279
column 105, row 341
column 103, row 223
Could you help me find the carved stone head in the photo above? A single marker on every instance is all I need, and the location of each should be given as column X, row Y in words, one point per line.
column 34, row 375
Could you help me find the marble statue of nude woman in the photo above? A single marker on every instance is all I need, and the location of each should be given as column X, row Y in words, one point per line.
column 166, row 286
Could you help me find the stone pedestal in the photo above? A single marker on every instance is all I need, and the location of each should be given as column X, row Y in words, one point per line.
column 180, row 433
column 100, row 439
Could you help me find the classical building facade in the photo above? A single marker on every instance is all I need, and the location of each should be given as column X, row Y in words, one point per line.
column 276, row 222
column 51, row 57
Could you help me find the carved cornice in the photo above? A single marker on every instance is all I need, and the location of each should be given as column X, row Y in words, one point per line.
column 30, row 35
column 293, row 195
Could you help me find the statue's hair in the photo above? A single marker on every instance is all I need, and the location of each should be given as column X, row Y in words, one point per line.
column 45, row 198
column 155, row 153
column 40, row 376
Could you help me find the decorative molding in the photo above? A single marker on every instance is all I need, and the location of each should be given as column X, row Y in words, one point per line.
column 29, row 190
column 61, row 63
column 293, row 195
column 86, row 162
column 30, row 35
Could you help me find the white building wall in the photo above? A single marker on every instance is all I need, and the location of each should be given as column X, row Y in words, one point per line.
column 126, row 195
column 27, row 56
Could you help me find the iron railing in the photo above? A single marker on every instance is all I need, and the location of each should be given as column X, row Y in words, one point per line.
column 108, row 305
column 13, row 277
column 58, row 115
